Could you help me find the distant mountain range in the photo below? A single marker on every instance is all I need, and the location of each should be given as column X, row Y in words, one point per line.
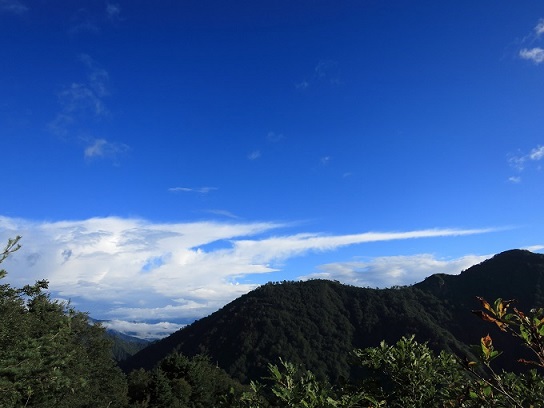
column 318, row 323
column 124, row 345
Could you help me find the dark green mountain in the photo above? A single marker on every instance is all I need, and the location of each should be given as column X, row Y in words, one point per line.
column 318, row 323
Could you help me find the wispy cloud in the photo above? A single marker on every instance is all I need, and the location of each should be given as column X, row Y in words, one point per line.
column 82, row 100
column 201, row 190
column 271, row 138
column 168, row 272
column 12, row 6
column 113, row 11
column 91, row 20
column 325, row 71
column 223, row 213
column 520, row 161
column 535, row 54
column 83, row 21
column 274, row 137
column 98, row 76
column 101, row 148
column 539, row 28
column 82, row 106
column 302, row 85
column 537, row 153
column 254, row 155
column 326, row 68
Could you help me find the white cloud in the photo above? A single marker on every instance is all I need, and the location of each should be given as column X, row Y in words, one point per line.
column 147, row 331
column 135, row 270
column 393, row 270
column 12, row 6
column 201, row 190
column 535, row 248
column 537, row 153
column 534, row 54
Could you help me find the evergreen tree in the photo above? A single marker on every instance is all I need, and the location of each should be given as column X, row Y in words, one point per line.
column 50, row 355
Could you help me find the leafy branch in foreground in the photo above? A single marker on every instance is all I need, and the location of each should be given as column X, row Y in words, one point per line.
column 290, row 386
column 525, row 390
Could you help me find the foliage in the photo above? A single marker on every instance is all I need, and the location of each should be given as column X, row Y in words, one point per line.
column 179, row 382
column 51, row 356
column 290, row 386
column 410, row 374
column 507, row 389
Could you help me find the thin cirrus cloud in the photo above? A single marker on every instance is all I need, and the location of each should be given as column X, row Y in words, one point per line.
column 83, row 100
column 12, row 7
column 200, row 190
column 325, row 71
column 223, row 213
column 101, row 148
column 113, row 11
column 254, row 155
column 519, row 162
column 91, row 21
column 133, row 270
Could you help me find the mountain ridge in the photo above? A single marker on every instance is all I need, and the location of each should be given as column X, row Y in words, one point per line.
column 318, row 323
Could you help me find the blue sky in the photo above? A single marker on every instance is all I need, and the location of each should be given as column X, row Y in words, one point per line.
column 162, row 158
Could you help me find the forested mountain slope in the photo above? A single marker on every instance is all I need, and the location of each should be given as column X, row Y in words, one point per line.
column 318, row 323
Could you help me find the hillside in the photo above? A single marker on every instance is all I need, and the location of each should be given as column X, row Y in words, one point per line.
column 125, row 346
column 318, row 323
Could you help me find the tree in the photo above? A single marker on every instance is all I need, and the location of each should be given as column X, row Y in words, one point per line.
column 180, row 381
column 51, row 356
column 409, row 374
